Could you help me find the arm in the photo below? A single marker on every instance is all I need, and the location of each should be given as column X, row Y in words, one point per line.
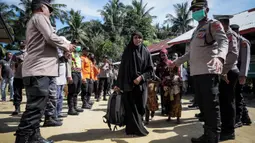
column 69, row 68
column 182, row 59
column 42, row 23
column 220, row 37
column 245, row 58
column 232, row 55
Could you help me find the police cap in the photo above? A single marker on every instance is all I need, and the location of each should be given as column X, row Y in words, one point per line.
column 234, row 27
column 46, row 2
column 223, row 17
column 198, row 4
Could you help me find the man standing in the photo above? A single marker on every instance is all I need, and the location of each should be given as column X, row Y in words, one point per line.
column 40, row 67
column 228, row 82
column 208, row 50
column 74, row 80
column 17, row 60
column 6, row 75
column 87, row 83
column 104, row 77
column 242, row 116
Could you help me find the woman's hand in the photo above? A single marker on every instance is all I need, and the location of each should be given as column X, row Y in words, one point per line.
column 116, row 88
column 138, row 80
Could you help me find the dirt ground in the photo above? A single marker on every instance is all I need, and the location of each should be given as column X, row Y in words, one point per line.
column 89, row 127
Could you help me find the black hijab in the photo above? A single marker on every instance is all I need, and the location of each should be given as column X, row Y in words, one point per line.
column 136, row 61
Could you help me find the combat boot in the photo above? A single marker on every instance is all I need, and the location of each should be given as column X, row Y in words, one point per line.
column 37, row 138
column 17, row 110
column 71, row 110
column 76, row 106
column 50, row 122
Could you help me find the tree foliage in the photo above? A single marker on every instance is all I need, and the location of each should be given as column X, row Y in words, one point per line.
column 109, row 37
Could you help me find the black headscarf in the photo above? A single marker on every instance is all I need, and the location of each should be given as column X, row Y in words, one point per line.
column 136, row 61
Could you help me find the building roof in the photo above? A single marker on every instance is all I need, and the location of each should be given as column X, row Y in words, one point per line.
column 246, row 21
column 5, row 35
column 158, row 46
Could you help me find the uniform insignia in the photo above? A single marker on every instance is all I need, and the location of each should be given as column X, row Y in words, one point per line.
column 244, row 44
column 230, row 38
column 201, row 35
column 217, row 26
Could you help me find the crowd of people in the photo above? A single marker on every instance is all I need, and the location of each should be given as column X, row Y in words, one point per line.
column 47, row 63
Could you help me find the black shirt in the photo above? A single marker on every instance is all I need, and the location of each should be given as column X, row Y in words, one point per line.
column 6, row 69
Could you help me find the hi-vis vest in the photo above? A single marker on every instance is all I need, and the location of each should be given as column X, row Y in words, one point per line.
column 76, row 62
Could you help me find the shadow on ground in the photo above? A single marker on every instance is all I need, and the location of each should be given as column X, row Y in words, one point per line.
column 92, row 135
column 8, row 125
column 184, row 134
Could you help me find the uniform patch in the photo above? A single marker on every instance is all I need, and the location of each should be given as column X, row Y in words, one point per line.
column 230, row 38
column 217, row 26
column 201, row 35
column 244, row 44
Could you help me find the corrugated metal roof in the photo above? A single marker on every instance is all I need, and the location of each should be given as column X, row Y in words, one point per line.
column 5, row 35
column 246, row 21
column 158, row 46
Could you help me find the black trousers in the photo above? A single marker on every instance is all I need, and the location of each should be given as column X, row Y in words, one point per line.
column 241, row 110
column 74, row 88
column 227, row 103
column 86, row 90
column 95, row 89
column 50, row 110
column 17, row 87
column 103, row 86
column 206, row 90
column 37, row 91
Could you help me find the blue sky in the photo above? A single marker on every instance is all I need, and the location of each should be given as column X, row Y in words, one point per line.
column 89, row 8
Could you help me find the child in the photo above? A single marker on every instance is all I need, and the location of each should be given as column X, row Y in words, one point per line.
column 175, row 95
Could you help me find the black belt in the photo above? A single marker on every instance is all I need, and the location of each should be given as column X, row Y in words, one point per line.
column 62, row 59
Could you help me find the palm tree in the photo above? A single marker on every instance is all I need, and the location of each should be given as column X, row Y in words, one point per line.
column 180, row 22
column 7, row 12
column 113, row 13
column 75, row 28
column 140, row 9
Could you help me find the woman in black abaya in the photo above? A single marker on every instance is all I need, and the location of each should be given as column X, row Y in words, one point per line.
column 136, row 67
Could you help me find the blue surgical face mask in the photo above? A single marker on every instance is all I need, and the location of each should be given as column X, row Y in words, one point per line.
column 78, row 48
column 199, row 15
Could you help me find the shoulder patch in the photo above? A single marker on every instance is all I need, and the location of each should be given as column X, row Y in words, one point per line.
column 217, row 26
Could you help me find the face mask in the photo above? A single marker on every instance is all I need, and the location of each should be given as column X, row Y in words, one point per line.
column 78, row 48
column 199, row 15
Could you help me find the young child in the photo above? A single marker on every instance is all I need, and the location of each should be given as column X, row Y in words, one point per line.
column 175, row 96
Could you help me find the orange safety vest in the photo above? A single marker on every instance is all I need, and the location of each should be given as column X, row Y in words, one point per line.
column 95, row 72
column 86, row 67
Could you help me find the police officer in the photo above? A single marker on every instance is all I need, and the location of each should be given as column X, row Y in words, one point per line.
column 228, row 82
column 18, row 59
column 242, row 116
column 39, row 70
column 208, row 50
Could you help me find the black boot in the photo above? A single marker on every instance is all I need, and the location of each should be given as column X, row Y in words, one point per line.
column 246, row 120
column 22, row 138
column 105, row 98
column 50, row 122
column 71, row 110
column 17, row 110
column 212, row 137
column 76, row 106
column 37, row 138
column 201, row 139
column 225, row 137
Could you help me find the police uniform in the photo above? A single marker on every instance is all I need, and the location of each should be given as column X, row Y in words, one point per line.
column 74, row 88
column 208, row 43
column 38, row 71
column 227, row 90
column 242, row 116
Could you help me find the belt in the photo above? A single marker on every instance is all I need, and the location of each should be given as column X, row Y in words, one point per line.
column 76, row 70
column 62, row 59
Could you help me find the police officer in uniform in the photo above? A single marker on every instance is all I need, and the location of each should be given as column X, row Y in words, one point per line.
column 228, row 82
column 39, row 70
column 208, row 50
column 242, row 116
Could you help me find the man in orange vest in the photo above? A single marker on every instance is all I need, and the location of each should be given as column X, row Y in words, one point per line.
column 87, row 82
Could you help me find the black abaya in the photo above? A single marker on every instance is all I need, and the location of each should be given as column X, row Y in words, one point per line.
column 136, row 61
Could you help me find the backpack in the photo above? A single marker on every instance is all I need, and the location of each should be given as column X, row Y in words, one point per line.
column 115, row 114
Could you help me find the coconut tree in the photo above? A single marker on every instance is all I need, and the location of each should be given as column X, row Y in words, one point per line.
column 182, row 19
column 75, row 28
